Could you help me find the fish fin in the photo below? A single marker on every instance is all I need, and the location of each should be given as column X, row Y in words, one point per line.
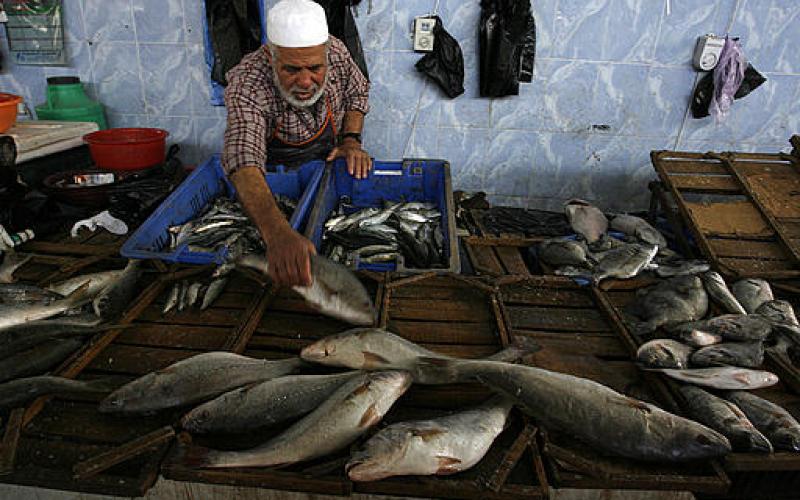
column 80, row 296
column 741, row 377
column 447, row 465
column 520, row 347
column 361, row 389
column 370, row 417
column 428, row 434
column 372, row 360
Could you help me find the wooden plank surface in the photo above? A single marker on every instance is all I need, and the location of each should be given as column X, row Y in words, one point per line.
column 710, row 184
column 556, row 318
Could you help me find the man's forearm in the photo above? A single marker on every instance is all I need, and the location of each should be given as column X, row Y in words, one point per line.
column 257, row 200
column 353, row 122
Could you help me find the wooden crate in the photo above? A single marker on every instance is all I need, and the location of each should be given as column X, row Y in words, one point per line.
column 742, row 209
column 752, row 475
column 497, row 256
column 577, row 336
column 447, row 314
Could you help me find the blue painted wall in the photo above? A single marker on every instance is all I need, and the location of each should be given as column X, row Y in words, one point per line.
column 612, row 82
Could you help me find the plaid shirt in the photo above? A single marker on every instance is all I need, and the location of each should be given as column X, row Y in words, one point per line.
column 256, row 108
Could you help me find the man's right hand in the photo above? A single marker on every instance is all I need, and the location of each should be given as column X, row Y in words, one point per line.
column 289, row 256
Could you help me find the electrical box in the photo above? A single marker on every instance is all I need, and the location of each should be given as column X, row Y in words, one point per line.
column 707, row 52
column 423, row 34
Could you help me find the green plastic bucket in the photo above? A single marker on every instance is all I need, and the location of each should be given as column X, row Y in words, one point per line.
column 67, row 101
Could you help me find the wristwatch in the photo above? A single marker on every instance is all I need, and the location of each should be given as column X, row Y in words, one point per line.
column 354, row 135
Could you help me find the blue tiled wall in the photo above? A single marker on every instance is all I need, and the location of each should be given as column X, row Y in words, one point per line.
column 612, row 82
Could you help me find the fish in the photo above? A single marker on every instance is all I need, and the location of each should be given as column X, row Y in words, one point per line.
column 751, row 293
column 593, row 413
column 334, row 291
column 675, row 300
column 16, row 315
column 97, row 282
column 586, row 219
column 640, row 228
column 440, row 446
column 112, row 301
column 377, row 349
column 664, row 353
column 624, row 262
column 11, row 263
column 192, row 293
column 695, row 334
column 776, row 423
column 182, row 291
column 720, row 293
column 745, row 354
column 15, row 341
column 263, row 404
column 725, row 418
column 213, row 292
column 353, row 409
column 19, row 293
column 740, row 328
column 172, row 299
column 16, row 393
column 193, row 380
column 560, row 252
column 724, row 377
column 778, row 312
column 683, row 268
column 38, row 359
column 380, row 257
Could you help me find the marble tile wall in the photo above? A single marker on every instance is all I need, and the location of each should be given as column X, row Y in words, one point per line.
column 612, row 82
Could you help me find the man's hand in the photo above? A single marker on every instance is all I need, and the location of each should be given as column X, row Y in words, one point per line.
column 358, row 161
column 289, row 254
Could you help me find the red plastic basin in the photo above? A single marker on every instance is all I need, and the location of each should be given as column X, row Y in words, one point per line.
column 127, row 148
column 8, row 110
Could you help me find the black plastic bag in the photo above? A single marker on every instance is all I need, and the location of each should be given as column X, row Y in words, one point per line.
column 507, row 46
column 704, row 91
column 234, row 27
column 342, row 25
column 445, row 63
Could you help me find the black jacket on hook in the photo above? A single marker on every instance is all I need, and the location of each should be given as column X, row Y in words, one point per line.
column 234, row 28
column 507, row 46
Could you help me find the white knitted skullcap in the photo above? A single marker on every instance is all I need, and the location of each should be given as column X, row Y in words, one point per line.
column 297, row 23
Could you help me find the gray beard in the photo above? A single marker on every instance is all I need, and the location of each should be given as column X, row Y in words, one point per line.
column 292, row 100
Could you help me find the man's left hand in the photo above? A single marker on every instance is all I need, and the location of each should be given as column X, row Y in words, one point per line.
column 358, row 161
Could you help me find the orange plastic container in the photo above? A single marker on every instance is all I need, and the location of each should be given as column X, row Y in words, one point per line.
column 8, row 110
column 127, row 148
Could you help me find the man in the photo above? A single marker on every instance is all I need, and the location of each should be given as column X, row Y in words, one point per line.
column 299, row 98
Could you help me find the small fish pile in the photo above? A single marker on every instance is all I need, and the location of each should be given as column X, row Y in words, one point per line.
column 598, row 253
column 223, row 224
column 382, row 235
column 186, row 294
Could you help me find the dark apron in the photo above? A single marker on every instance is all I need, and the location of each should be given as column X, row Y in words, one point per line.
column 293, row 155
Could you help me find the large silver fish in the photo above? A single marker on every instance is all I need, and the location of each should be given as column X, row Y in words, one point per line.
column 695, row 334
column 726, row 418
column 596, row 414
column 675, row 300
column 38, row 359
column 97, row 282
column 348, row 413
column 682, row 268
column 624, row 262
column 751, row 293
column 745, row 354
column 664, row 353
column 264, row 404
column 776, row 423
column 192, row 380
column 720, row 293
column 559, row 252
column 334, row 291
column 740, row 328
column 729, row 378
column 377, row 349
column 15, row 315
column 640, row 228
column 116, row 296
column 443, row 445
column 586, row 219
column 11, row 262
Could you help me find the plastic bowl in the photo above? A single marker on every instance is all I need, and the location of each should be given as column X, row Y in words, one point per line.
column 8, row 110
column 127, row 148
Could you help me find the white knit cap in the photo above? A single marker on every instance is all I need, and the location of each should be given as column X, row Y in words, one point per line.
column 297, row 23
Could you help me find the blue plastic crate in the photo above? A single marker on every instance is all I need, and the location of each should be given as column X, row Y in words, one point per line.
column 420, row 180
column 206, row 183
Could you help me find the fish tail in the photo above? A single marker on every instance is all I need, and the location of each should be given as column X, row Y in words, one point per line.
column 443, row 370
column 520, row 347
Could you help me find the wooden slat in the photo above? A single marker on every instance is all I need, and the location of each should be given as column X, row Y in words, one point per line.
column 579, row 344
column 187, row 337
column 753, row 267
column 705, row 184
column 98, row 463
column 542, row 296
column 556, row 318
column 425, row 292
column 484, row 260
column 741, row 219
column 450, row 332
column 748, row 249
column 437, row 310
column 511, row 259
column 289, row 324
column 8, row 451
column 693, row 167
column 209, row 317
column 137, row 360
